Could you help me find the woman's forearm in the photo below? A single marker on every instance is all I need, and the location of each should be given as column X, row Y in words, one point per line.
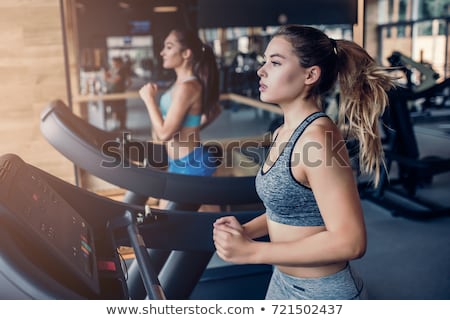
column 257, row 227
column 155, row 115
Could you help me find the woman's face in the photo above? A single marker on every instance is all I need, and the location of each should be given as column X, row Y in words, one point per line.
column 282, row 77
column 172, row 52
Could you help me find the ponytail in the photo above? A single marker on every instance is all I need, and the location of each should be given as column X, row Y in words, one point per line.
column 204, row 67
column 363, row 98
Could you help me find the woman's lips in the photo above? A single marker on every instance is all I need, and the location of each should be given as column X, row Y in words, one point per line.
column 262, row 87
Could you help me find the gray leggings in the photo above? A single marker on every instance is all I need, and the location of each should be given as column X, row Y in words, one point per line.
column 343, row 285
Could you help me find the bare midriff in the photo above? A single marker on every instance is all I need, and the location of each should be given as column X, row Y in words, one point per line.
column 285, row 233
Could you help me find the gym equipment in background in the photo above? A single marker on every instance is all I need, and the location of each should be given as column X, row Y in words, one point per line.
column 413, row 171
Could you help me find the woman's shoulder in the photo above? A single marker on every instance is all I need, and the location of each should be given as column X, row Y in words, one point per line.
column 187, row 91
column 190, row 85
column 321, row 130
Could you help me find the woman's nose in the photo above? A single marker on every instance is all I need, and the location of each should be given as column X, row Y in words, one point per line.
column 260, row 72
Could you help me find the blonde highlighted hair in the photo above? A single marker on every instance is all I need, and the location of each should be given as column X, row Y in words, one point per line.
column 363, row 85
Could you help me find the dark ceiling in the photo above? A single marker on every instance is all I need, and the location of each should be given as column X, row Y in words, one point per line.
column 100, row 18
column 235, row 13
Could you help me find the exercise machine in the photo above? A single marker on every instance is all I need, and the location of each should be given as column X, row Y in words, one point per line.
column 60, row 241
column 137, row 166
column 427, row 76
column 426, row 93
column 413, row 171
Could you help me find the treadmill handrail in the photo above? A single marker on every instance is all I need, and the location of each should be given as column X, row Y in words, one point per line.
column 57, row 121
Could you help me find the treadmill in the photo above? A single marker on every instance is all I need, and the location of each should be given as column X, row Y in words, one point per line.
column 136, row 165
column 110, row 156
column 59, row 241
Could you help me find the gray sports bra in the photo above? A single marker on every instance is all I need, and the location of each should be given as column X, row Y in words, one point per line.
column 286, row 200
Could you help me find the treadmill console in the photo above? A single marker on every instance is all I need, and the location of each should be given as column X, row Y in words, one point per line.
column 48, row 221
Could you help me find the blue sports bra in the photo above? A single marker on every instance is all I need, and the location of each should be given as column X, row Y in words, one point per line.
column 190, row 120
column 286, row 200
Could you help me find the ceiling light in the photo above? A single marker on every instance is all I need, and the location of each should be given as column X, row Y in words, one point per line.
column 160, row 9
column 124, row 5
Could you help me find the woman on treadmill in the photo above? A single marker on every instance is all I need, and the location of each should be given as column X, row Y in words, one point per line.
column 188, row 105
column 313, row 212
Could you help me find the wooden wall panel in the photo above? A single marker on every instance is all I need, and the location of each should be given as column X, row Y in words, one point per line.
column 31, row 74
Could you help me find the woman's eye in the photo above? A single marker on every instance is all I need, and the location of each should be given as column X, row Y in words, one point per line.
column 274, row 63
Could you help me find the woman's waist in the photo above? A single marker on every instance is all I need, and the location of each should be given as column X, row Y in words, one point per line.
column 310, row 272
column 177, row 149
column 279, row 232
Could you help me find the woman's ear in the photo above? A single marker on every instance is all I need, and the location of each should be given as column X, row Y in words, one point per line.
column 186, row 54
column 312, row 74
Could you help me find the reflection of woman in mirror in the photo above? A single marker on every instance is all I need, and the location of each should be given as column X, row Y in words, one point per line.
column 188, row 105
